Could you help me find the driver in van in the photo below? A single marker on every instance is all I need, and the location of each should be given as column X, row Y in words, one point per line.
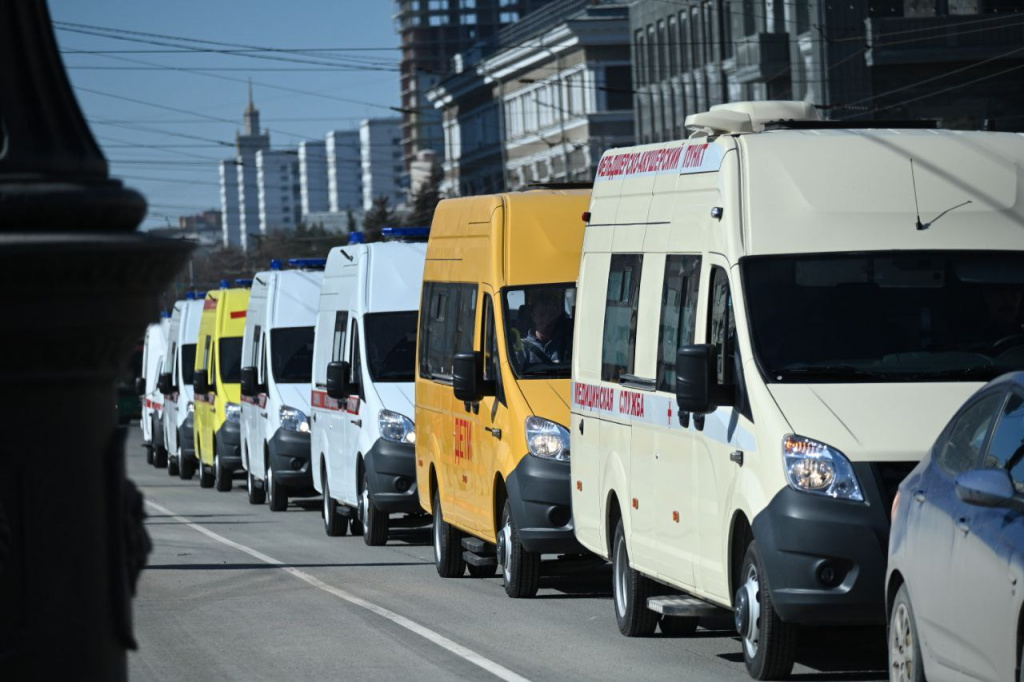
column 549, row 340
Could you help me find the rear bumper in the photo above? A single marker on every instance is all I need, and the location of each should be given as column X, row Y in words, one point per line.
column 289, row 455
column 228, row 441
column 539, row 498
column 391, row 475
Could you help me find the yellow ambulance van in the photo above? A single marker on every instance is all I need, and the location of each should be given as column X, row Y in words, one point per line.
column 217, row 384
column 492, row 382
column 777, row 317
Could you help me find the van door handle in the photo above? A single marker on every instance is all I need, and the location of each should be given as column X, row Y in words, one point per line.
column 918, row 496
column 357, row 422
column 494, row 432
column 963, row 523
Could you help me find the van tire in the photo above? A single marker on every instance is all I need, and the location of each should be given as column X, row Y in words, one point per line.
column 159, row 456
column 520, row 568
column 149, row 453
column 159, row 451
column 256, row 495
column 172, row 466
column 221, row 478
column 678, row 626
column 277, row 497
column 376, row 523
column 186, row 467
column 772, row 656
column 335, row 525
column 447, row 544
column 630, row 590
column 205, row 476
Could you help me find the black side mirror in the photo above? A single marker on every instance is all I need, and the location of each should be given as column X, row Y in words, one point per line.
column 140, row 386
column 201, row 383
column 165, row 384
column 988, row 488
column 337, row 379
column 249, row 386
column 695, row 379
column 468, row 377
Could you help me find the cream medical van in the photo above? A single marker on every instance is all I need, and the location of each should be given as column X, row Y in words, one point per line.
column 176, row 386
column 363, row 369
column 775, row 319
column 492, row 382
column 277, row 360
column 153, row 351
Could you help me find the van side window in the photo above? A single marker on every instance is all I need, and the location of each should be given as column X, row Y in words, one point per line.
column 466, row 321
column 254, row 357
column 263, row 376
column 722, row 326
column 490, row 341
column 678, row 315
column 435, row 330
column 340, row 329
column 206, row 354
column 619, row 344
column 356, row 366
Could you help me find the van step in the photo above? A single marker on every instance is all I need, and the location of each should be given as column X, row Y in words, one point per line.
column 478, row 546
column 476, row 560
column 683, row 605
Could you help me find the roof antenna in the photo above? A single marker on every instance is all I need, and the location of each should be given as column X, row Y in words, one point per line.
column 916, row 206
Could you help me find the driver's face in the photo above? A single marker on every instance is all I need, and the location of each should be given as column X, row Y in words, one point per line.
column 545, row 315
column 1003, row 304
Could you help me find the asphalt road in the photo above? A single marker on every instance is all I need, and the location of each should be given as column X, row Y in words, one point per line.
column 236, row 592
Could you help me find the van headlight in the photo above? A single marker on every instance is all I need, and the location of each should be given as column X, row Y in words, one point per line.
column 546, row 439
column 190, row 407
column 293, row 419
column 233, row 412
column 817, row 468
column 396, row 427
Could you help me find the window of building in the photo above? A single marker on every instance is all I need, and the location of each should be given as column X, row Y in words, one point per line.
column 467, row 4
column 467, row 19
column 678, row 315
column 672, row 46
column 439, row 20
column 653, row 72
column 695, row 39
column 621, row 303
column 707, row 33
column 437, row 5
column 618, row 82
column 664, row 52
column 684, row 43
column 508, row 17
column 728, row 49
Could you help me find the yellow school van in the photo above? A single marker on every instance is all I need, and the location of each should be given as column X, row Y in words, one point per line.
column 216, row 382
column 492, row 382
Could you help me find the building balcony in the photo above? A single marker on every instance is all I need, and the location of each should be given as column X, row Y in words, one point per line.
column 761, row 57
column 930, row 40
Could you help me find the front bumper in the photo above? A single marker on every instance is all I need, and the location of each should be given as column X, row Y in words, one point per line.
column 803, row 537
column 228, row 446
column 539, row 498
column 186, row 438
column 391, row 476
column 289, row 455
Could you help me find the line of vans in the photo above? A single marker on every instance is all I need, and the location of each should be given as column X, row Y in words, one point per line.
column 713, row 370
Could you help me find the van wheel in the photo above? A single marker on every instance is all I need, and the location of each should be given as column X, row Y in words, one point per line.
column 631, row 590
column 678, row 626
column 769, row 645
column 257, row 495
column 221, row 478
column 277, row 498
column 205, row 476
column 159, row 451
column 905, row 663
column 172, row 466
column 334, row 523
column 519, row 568
column 186, row 467
column 376, row 523
column 149, row 453
column 447, row 544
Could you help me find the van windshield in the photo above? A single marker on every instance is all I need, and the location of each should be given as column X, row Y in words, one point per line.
column 230, row 359
column 391, row 346
column 906, row 316
column 291, row 354
column 538, row 330
column 188, row 362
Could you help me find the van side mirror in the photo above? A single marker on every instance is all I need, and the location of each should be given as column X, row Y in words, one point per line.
column 140, row 386
column 695, row 379
column 248, row 382
column 988, row 488
column 337, row 379
column 468, row 377
column 165, row 384
column 201, row 383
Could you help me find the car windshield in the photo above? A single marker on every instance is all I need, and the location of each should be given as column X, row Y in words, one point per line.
column 291, row 354
column 538, row 330
column 391, row 345
column 230, row 357
column 907, row 316
column 188, row 362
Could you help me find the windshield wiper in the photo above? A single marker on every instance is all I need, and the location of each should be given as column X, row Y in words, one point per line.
column 552, row 371
column 985, row 372
column 828, row 372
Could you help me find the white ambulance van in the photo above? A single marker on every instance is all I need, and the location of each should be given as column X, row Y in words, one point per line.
column 775, row 319
column 153, row 351
column 176, row 386
column 277, row 359
column 363, row 393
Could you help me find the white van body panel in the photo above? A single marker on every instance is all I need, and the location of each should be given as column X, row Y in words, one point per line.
column 153, row 352
column 361, row 280
column 184, row 330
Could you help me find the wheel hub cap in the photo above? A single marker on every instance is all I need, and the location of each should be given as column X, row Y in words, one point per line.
column 504, row 550
column 364, row 507
column 620, row 581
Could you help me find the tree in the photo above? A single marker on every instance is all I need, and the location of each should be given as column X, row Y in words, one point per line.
column 424, row 202
column 381, row 215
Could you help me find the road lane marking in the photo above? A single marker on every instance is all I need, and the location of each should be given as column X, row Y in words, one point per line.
column 462, row 652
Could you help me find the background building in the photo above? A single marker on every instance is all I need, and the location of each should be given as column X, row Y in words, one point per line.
column 240, row 199
column 313, row 177
column 344, row 171
column 279, row 193
column 381, row 155
column 229, row 204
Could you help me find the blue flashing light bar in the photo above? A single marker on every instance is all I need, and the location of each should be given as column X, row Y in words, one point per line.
column 190, row 296
column 311, row 263
column 275, row 264
column 195, row 295
column 243, row 282
column 357, row 238
column 407, row 233
column 225, row 284
column 165, row 314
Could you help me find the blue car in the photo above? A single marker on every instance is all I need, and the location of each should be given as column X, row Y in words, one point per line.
column 955, row 583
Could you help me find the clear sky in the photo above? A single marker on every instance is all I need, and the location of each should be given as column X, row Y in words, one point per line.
column 348, row 72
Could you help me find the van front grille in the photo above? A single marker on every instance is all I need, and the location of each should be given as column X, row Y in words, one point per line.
column 889, row 475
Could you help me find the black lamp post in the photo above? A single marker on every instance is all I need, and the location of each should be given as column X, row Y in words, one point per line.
column 77, row 287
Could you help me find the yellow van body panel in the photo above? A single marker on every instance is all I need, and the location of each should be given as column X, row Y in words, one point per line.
column 493, row 242
column 223, row 317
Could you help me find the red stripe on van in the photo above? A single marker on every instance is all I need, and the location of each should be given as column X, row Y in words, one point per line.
column 238, row 313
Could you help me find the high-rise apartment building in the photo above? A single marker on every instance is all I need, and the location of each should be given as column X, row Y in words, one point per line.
column 240, row 197
column 313, row 177
column 344, row 171
column 381, row 156
column 280, row 205
column 432, row 32
column 229, row 205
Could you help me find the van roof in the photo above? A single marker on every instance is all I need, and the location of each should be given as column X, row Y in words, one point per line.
column 297, row 293
column 393, row 276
